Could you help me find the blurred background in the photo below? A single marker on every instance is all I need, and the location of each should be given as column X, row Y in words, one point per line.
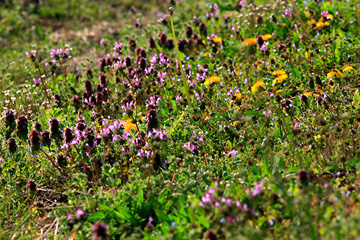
column 32, row 24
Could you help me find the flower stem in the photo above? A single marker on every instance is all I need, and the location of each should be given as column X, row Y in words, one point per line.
column 298, row 16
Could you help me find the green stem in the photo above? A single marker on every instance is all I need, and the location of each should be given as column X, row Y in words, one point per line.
column 180, row 64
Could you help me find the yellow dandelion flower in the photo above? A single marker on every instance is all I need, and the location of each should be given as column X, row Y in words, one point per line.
column 128, row 125
column 211, row 79
column 206, row 54
column 322, row 24
column 278, row 72
column 334, row 73
column 250, row 41
column 203, row 41
column 234, row 124
column 280, row 78
column 283, row 24
column 266, row 37
column 307, row 14
column 329, row 16
column 311, row 22
column 348, row 68
column 217, row 40
column 257, row 86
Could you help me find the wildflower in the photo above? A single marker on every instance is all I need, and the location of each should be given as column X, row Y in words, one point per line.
column 31, row 187
column 348, row 68
column 152, row 43
column 128, row 125
column 288, row 13
column 234, row 124
column 329, row 16
column 211, row 79
column 10, row 123
column 102, row 41
column 79, row 213
column 34, row 141
column 162, row 38
column 280, row 78
column 250, row 41
column 217, row 40
column 279, row 72
column 334, row 73
column 202, row 28
column 68, row 135
column 55, row 129
column 307, row 14
column 99, row 231
column 32, row 55
column 12, row 145
column 322, row 24
column 189, row 146
column 22, row 127
column 257, row 86
column 188, row 32
column 45, row 138
column 132, row 44
column 266, row 37
column 239, row 96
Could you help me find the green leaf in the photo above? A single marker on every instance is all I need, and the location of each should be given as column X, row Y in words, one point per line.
column 140, row 195
column 96, row 216
column 162, row 216
column 123, row 213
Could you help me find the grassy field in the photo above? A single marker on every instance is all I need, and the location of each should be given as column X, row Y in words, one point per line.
column 179, row 119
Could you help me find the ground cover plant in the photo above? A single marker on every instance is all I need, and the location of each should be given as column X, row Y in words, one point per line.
column 211, row 120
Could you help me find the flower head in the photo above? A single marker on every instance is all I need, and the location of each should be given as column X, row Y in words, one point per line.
column 335, row 73
column 211, row 80
column 348, row 68
column 250, row 41
column 257, row 86
column 128, row 125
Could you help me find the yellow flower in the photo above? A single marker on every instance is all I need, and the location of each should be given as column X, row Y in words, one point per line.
column 334, row 73
column 234, row 124
column 319, row 91
column 257, row 86
column 307, row 55
column 240, row 96
column 307, row 14
column 348, row 68
column 283, row 24
column 278, row 72
column 128, row 125
column 206, row 54
column 250, row 41
column 203, row 41
column 307, row 94
column 280, row 78
column 217, row 40
column 329, row 16
column 266, row 37
column 211, row 79
column 312, row 21
column 322, row 24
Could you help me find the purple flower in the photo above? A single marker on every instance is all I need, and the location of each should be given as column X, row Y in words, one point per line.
column 189, row 146
column 288, row 12
column 70, row 216
column 324, row 13
column 79, row 213
column 296, row 126
column 102, row 41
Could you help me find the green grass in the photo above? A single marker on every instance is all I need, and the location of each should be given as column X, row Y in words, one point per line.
column 245, row 141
